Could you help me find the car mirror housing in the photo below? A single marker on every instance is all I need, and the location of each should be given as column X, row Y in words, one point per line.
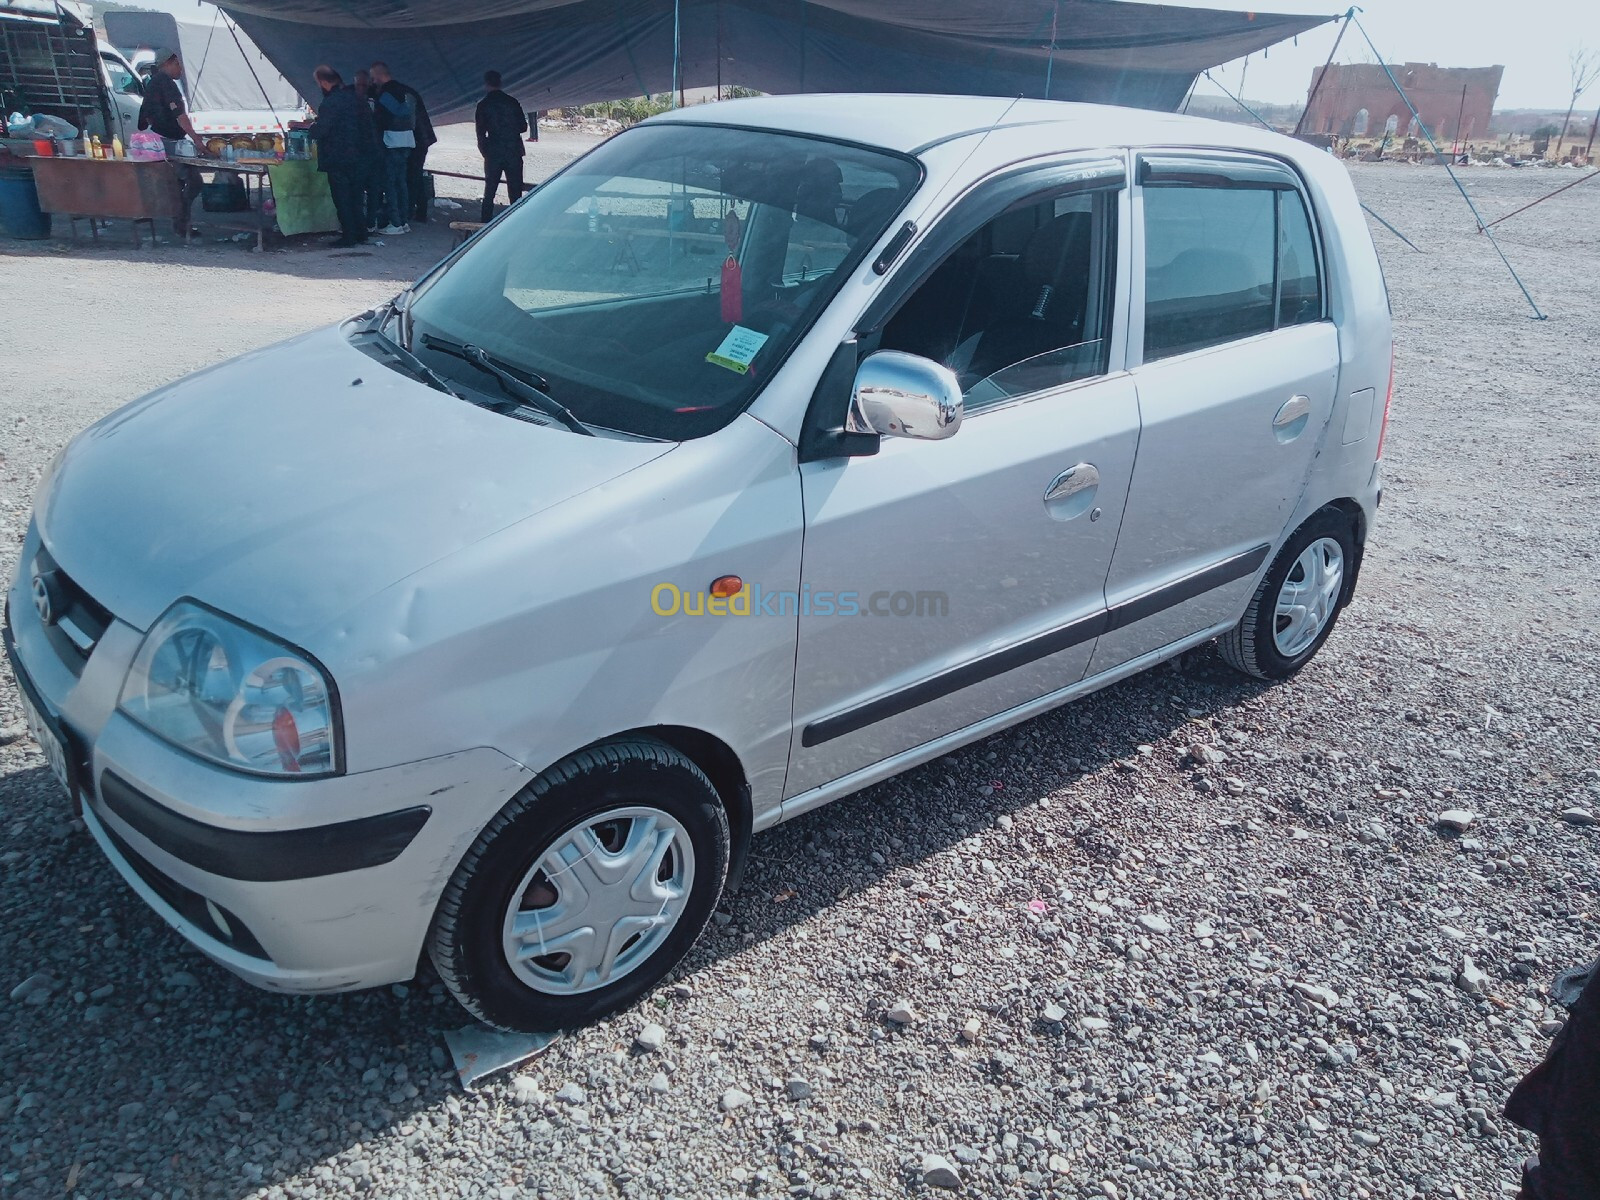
column 904, row 395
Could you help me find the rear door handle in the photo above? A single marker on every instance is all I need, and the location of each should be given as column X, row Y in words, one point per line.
column 1292, row 418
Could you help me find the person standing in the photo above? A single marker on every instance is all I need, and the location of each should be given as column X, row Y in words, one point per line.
column 423, row 136
column 372, row 176
column 396, row 115
column 344, row 133
column 501, row 124
column 165, row 111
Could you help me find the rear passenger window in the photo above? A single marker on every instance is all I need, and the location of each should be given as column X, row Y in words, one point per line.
column 1223, row 263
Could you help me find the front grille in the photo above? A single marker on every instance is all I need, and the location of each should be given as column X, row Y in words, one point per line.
column 190, row 905
column 77, row 620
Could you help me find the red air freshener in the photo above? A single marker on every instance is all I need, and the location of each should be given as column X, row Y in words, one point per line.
column 732, row 275
column 732, row 291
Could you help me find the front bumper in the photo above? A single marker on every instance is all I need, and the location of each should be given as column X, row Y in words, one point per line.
column 295, row 885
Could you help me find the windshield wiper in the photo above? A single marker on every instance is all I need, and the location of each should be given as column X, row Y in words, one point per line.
column 397, row 306
column 410, row 361
column 457, row 350
column 517, row 389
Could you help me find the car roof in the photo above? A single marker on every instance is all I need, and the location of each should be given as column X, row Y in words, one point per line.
column 912, row 123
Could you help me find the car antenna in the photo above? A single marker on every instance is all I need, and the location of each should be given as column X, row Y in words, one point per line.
column 1006, row 112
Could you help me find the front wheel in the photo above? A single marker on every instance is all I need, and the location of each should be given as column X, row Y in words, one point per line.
column 585, row 890
column 1294, row 609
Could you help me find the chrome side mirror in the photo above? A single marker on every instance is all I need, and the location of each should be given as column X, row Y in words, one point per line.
column 902, row 395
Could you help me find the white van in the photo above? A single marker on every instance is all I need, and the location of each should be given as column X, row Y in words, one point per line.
column 52, row 62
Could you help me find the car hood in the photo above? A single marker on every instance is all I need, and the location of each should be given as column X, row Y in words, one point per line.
column 288, row 485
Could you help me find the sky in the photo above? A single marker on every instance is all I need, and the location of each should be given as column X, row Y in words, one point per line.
column 1530, row 38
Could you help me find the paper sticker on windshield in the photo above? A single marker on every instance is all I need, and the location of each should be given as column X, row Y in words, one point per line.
column 738, row 349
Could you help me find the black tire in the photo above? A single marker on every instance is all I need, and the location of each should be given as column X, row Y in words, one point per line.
column 1249, row 646
column 465, row 943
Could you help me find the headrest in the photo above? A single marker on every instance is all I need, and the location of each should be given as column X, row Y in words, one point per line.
column 867, row 214
column 1058, row 246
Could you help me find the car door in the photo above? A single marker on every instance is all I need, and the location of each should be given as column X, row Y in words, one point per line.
column 1236, row 373
column 126, row 91
column 948, row 581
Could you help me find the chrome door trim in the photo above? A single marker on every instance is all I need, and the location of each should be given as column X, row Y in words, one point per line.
column 906, row 759
column 1008, row 658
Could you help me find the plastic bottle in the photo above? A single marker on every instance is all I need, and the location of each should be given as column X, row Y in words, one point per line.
column 96, row 150
column 116, row 148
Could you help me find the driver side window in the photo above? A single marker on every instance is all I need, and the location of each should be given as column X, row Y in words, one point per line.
column 1023, row 305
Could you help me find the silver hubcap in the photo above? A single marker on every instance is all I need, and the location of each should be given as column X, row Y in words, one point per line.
column 599, row 901
column 1308, row 597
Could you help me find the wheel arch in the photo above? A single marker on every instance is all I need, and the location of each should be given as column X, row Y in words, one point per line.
column 726, row 772
column 1356, row 515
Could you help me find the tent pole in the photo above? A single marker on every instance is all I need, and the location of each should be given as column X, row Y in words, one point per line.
column 1194, row 83
column 1542, row 199
column 1264, row 124
column 677, row 53
column 1322, row 75
column 205, row 55
column 276, row 119
column 1449, row 170
column 719, row 49
column 1050, row 63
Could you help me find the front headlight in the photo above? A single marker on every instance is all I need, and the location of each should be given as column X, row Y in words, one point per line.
column 233, row 695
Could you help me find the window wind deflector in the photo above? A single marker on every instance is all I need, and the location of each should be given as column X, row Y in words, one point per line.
column 1197, row 171
column 1099, row 172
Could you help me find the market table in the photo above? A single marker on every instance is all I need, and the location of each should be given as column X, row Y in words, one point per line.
column 246, row 171
column 301, row 195
column 100, row 189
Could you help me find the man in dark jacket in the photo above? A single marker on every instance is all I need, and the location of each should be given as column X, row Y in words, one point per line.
column 501, row 124
column 344, row 135
column 166, row 112
column 373, row 180
column 416, row 173
column 1560, row 1098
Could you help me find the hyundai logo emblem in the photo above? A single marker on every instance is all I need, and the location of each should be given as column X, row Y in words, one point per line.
column 42, row 601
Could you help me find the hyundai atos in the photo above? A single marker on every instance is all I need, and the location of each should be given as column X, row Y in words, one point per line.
column 432, row 632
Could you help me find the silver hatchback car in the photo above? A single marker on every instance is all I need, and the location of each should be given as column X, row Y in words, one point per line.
column 770, row 449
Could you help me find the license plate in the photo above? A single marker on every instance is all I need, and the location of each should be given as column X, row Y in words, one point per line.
column 54, row 752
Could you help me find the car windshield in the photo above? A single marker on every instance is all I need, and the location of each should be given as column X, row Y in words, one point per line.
column 656, row 284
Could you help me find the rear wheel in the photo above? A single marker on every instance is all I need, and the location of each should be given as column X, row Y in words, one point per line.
column 585, row 890
column 1294, row 609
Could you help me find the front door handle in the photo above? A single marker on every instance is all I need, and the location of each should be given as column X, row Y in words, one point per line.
column 1071, row 493
column 1292, row 418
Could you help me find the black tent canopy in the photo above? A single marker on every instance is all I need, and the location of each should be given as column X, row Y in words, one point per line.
column 555, row 53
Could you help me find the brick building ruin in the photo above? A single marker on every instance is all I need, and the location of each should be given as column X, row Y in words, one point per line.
column 1357, row 100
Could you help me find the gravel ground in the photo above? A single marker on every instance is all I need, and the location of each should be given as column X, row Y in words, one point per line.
column 1192, row 936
